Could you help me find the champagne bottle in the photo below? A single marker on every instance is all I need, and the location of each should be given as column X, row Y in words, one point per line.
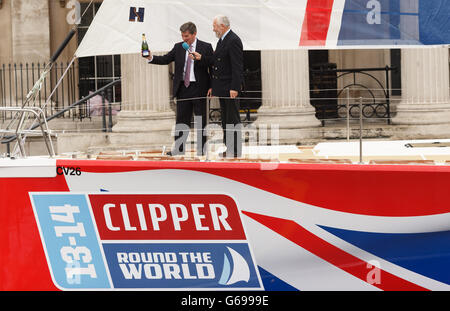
column 145, row 51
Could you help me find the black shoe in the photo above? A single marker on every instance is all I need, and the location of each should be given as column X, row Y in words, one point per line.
column 224, row 155
column 200, row 154
column 174, row 153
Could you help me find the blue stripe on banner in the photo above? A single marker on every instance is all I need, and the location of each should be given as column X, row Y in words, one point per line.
column 434, row 21
column 272, row 283
column 367, row 22
column 394, row 29
column 382, row 13
column 424, row 253
column 395, row 22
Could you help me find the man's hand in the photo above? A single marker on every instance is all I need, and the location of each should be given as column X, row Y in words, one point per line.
column 149, row 55
column 209, row 94
column 233, row 93
column 195, row 56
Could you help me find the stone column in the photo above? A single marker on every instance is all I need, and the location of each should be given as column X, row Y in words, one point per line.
column 425, row 91
column 6, row 34
column 30, row 30
column 146, row 117
column 285, row 92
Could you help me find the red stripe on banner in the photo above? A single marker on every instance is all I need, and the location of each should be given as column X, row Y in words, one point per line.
column 330, row 253
column 316, row 22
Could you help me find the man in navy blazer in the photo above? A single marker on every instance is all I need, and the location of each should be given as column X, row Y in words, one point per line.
column 227, row 75
column 191, row 84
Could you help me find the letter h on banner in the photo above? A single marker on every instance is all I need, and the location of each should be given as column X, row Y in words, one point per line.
column 137, row 15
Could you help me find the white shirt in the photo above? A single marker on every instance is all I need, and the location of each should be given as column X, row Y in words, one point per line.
column 187, row 58
column 224, row 35
column 192, row 49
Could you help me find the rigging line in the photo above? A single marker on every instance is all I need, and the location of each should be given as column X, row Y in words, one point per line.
column 71, row 62
column 85, row 11
column 49, row 66
column 36, row 119
column 36, row 88
column 73, row 58
column 59, row 82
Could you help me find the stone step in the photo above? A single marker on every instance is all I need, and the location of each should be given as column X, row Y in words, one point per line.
column 97, row 141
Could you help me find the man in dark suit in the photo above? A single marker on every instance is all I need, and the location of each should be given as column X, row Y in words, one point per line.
column 191, row 84
column 227, row 77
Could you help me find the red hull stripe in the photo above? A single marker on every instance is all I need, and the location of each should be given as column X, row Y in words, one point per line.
column 23, row 263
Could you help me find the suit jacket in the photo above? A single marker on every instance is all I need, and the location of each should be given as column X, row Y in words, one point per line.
column 227, row 66
column 201, row 70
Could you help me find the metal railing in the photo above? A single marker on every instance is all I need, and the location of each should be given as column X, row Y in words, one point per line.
column 334, row 93
column 327, row 97
column 17, row 79
column 249, row 103
column 41, row 120
column 62, row 87
column 20, row 133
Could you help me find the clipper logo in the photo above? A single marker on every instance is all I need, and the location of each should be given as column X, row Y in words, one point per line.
column 137, row 15
column 145, row 241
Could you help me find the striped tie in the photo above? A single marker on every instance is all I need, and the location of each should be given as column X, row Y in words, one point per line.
column 187, row 74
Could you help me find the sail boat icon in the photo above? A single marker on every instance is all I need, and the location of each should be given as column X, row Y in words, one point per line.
column 237, row 270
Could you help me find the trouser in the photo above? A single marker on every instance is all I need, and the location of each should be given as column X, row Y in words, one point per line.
column 231, row 125
column 188, row 102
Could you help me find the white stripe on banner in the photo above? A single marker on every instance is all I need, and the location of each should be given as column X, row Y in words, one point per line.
column 335, row 23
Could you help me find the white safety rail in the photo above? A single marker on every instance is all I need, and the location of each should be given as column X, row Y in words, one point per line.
column 17, row 130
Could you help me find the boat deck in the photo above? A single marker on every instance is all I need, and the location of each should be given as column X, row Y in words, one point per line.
column 431, row 152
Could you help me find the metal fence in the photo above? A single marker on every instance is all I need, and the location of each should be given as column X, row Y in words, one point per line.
column 329, row 99
column 332, row 92
column 17, row 79
column 62, row 87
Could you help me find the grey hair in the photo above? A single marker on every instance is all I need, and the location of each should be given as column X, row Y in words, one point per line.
column 222, row 20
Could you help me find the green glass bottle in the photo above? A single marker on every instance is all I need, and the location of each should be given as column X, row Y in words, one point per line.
column 145, row 51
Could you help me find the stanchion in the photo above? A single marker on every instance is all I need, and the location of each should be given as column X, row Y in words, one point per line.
column 348, row 114
column 103, row 112
column 360, row 130
column 110, row 121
